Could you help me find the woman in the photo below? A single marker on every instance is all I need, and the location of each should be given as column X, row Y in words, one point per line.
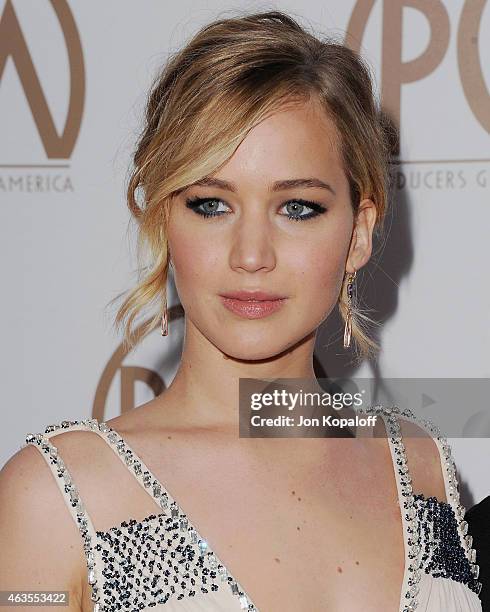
column 263, row 169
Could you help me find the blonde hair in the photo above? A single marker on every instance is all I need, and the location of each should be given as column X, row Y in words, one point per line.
column 231, row 75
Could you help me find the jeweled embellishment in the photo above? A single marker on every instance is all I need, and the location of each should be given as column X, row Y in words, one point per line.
column 393, row 429
column 48, row 448
column 157, row 489
column 460, row 564
column 183, row 524
column 187, row 562
column 187, row 557
column 212, row 561
column 112, row 437
column 150, row 561
column 443, row 554
column 203, row 546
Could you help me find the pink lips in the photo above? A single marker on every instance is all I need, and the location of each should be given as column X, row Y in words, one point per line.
column 252, row 304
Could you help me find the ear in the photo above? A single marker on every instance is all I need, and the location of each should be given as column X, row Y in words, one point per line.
column 362, row 236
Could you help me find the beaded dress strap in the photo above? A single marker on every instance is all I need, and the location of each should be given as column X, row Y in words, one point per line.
column 72, row 498
column 410, row 522
column 148, row 482
column 170, row 507
column 135, row 465
column 451, row 485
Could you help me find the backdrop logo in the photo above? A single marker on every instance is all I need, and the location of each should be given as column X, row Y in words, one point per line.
column 13, row 45
column 129, row 375
column 395, row 73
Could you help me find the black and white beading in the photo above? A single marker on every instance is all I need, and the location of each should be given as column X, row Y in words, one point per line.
column 149, row 561
column 435, row 532
column 163, row 556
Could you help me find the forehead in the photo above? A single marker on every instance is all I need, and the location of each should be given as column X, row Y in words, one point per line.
column 299, row 140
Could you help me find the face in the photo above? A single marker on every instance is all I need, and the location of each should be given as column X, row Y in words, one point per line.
column 253, row 231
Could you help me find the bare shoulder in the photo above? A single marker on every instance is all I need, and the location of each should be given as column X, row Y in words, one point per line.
column 41, row 546
column 156, row 414
column 423, row 457
column 422, row 450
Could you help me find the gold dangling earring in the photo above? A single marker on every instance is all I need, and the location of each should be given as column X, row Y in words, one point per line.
column 164, row 327
column 348, row 321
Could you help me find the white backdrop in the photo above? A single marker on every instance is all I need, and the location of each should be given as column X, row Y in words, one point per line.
column 75, row 76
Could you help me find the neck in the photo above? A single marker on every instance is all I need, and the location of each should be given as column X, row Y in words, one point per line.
column 206, row 386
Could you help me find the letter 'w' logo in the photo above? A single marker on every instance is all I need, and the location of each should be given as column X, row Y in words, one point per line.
column 13, row 44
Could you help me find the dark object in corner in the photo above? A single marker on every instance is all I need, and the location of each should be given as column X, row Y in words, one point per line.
column 478, row 519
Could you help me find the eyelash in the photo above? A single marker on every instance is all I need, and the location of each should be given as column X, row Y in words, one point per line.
column 317, row 209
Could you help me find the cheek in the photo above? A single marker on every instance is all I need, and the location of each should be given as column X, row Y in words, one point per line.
column 319, row 267
column 194, row 259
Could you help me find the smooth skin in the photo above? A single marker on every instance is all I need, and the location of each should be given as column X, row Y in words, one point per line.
column 303, row 524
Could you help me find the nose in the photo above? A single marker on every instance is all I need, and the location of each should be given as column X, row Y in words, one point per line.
column 252, row 242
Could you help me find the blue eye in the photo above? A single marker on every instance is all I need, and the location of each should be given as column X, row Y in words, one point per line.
column 208, row 207
column 295, row 205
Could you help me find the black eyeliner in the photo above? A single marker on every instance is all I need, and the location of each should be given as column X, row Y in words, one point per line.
column 194, row 202
column 317, row 207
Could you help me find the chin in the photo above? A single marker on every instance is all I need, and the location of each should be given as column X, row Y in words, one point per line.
column 252, row 348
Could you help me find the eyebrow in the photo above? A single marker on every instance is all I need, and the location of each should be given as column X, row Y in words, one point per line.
column 277, row 186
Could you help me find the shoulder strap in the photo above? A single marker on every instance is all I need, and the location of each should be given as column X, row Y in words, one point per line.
column 406, row 500
column 136, row 466
column 71, row 496
column 391, row 418
column 451, row 483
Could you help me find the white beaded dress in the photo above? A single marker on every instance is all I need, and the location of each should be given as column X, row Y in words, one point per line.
column 162, row 563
